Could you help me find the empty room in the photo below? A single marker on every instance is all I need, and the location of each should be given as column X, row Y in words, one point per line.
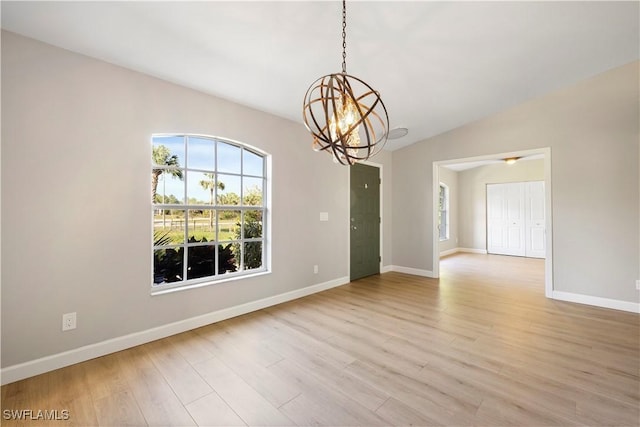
column 329, row 213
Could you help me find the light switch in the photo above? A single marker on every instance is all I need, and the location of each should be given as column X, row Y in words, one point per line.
column 324, row 216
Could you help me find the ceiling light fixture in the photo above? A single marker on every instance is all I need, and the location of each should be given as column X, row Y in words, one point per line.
column 511, row 160
column 344, row 114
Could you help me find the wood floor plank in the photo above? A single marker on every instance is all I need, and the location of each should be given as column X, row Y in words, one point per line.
column 360, row 340
column 396, row 413
column 296, row 316
column 211, row 410
column 105, row 377
column 592, row 409
column 503, row 412
column 584, row 376
column 332, row 376
column 68, row 388
column 179, row 374
column 502, row 388
column 290, row 342
column 242, row 339
column 321, row 401
column 244, row 365
column 31, row 394
column 119, row 409
column 400, row 323
column 413, row 393
column 250, row 406
column 156, row 399
column 480, row 346
column 191, row 347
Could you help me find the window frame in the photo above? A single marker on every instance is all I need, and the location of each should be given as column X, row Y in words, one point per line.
column 443, row 212
column 185, row 206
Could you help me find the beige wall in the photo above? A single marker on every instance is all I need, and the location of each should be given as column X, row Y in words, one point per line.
column 472, row 185
column 75, row 200
column 75, row 184
column 592, row 129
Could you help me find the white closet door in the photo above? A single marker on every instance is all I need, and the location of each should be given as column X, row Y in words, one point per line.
column 506, row 219
column 535, row 224
column 515, row 219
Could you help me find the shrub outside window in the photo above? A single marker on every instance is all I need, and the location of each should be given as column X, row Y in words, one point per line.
column 208, row 209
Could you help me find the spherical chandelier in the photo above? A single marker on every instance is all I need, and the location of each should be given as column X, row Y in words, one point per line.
column 345, row 115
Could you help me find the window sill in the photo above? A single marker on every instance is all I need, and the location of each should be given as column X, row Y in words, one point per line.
column 162, row 290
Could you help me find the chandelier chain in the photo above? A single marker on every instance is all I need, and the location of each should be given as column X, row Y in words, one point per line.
column 344, row 36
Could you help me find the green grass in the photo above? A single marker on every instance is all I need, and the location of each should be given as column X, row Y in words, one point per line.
column 199, row 227
column 177, row 235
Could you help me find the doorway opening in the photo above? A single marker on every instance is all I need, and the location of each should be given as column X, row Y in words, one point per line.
column 470, row 162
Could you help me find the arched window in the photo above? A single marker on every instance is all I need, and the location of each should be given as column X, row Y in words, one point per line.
column 209, row 209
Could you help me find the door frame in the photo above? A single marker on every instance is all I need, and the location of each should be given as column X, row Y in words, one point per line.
column 546, row 155
column 381, row 170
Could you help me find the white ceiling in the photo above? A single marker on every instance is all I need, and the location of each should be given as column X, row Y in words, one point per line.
column 437, row 65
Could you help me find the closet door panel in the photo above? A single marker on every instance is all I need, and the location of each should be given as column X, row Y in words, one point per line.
column 515, row 219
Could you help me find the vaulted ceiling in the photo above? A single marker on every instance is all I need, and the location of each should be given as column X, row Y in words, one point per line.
column 437, row 65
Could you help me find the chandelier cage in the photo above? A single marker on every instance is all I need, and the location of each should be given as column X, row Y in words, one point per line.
column 345, row 115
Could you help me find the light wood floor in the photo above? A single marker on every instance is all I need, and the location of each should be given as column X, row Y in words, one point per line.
column 482, row 346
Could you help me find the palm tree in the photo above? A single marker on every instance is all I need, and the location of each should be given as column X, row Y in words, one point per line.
column 210, row 184
column 162, row 156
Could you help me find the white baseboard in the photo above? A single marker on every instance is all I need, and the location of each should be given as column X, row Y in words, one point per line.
column 81, row 354
column 449, row 252
column 473, row 250
column 409, row 270
column 467, row 250
column 633, row 307
column 385, row 269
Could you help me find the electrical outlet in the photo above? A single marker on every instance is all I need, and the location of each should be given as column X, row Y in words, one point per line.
column 638, row 285
column 315, row 269
column 68, row 321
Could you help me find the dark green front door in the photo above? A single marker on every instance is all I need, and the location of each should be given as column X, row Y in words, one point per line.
column 365, row 221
